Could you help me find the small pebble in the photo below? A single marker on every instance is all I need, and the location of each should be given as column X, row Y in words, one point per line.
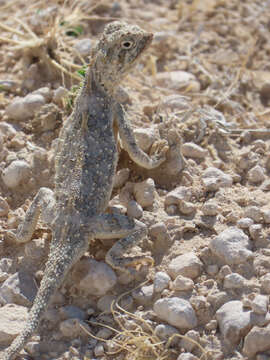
column 213, row 179
column 194, row 151
column 104, row 303
column 232, row 246
column 178, row 80
column 188, row 265
column 253, row 212
column 212, row 270
column 99, row 350
column 188, row 345
column 212, row 325
column 21, row 109
column 265, row 94
column 144, row 192
column 8, row 85
column 256, row 175
column 210, row 208
column 266, row 216
column 186, row 207
column 187, row 356
column 17, row 172
column 161, row 281
column 245, row 223
column 234, row 281
column 4, row 207
column 177, row 312
column 182, row 283
column 104, row 333
column 46, row 92
column 143, row 295
column 145, row 137
column 175, row 101
column 224, row 271
column 83, row 47
column 172, row 210
column 260, row 304
column 59, row 94
column 164, row 332
column 121, row 177
column 266, row 185
column 265, row 284
column 255, row 232
column 134, row 210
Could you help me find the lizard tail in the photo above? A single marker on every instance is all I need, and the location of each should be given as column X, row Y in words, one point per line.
column 61, row 259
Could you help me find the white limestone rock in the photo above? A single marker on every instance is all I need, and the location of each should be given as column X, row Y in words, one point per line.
column 177, row 80
column 213, row 179
column 13, row 318
column 257, row 340
column 182, row 283
column 161, row 281
column 17, row 172
column 21, row 109
column 176, row 312
column 145, row 137
column 83, row 47
column 93, row 277
column 20, row 288
column 195, row 151
column 144, row 192
column 234, row 322
column 188, row 265
column 143, row 295
column 234, row 281
column 231, row 246
column 178, row 194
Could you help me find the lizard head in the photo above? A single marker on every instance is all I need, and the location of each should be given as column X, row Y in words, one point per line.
column 117, row 51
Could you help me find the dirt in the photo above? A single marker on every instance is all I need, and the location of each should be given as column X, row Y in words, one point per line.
column 225, row 109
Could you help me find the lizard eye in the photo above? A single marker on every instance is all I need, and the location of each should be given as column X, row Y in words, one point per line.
column 126, row 45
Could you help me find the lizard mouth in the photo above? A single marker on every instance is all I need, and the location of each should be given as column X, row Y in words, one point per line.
column 147, row 39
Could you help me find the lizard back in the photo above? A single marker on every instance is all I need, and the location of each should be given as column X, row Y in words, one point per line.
column 87, row 156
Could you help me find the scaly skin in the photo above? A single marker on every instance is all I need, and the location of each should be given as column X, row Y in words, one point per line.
column 85, row 166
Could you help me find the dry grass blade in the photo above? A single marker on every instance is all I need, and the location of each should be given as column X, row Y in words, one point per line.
column 64, row 70
column 40, row 47
column 139, row 343
column 204, row 353
column 10, row 29
column 11, row 41
column 26, row 28
column 9, row 4
column 239, row 73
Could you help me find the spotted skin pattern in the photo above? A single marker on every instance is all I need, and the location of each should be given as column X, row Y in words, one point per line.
column 85, row 166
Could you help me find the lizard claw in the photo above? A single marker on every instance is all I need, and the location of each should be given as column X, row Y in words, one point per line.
column 159, row 150
column 10, row 235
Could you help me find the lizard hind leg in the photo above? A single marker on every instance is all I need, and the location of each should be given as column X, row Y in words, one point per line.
column 43, row 204
column 109, row 226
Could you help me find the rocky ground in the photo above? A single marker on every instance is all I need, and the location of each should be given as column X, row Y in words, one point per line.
column 204, row 86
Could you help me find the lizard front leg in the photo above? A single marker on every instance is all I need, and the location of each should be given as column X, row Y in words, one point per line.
column 130, row 145
column 43, row 204
column 109, row 226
